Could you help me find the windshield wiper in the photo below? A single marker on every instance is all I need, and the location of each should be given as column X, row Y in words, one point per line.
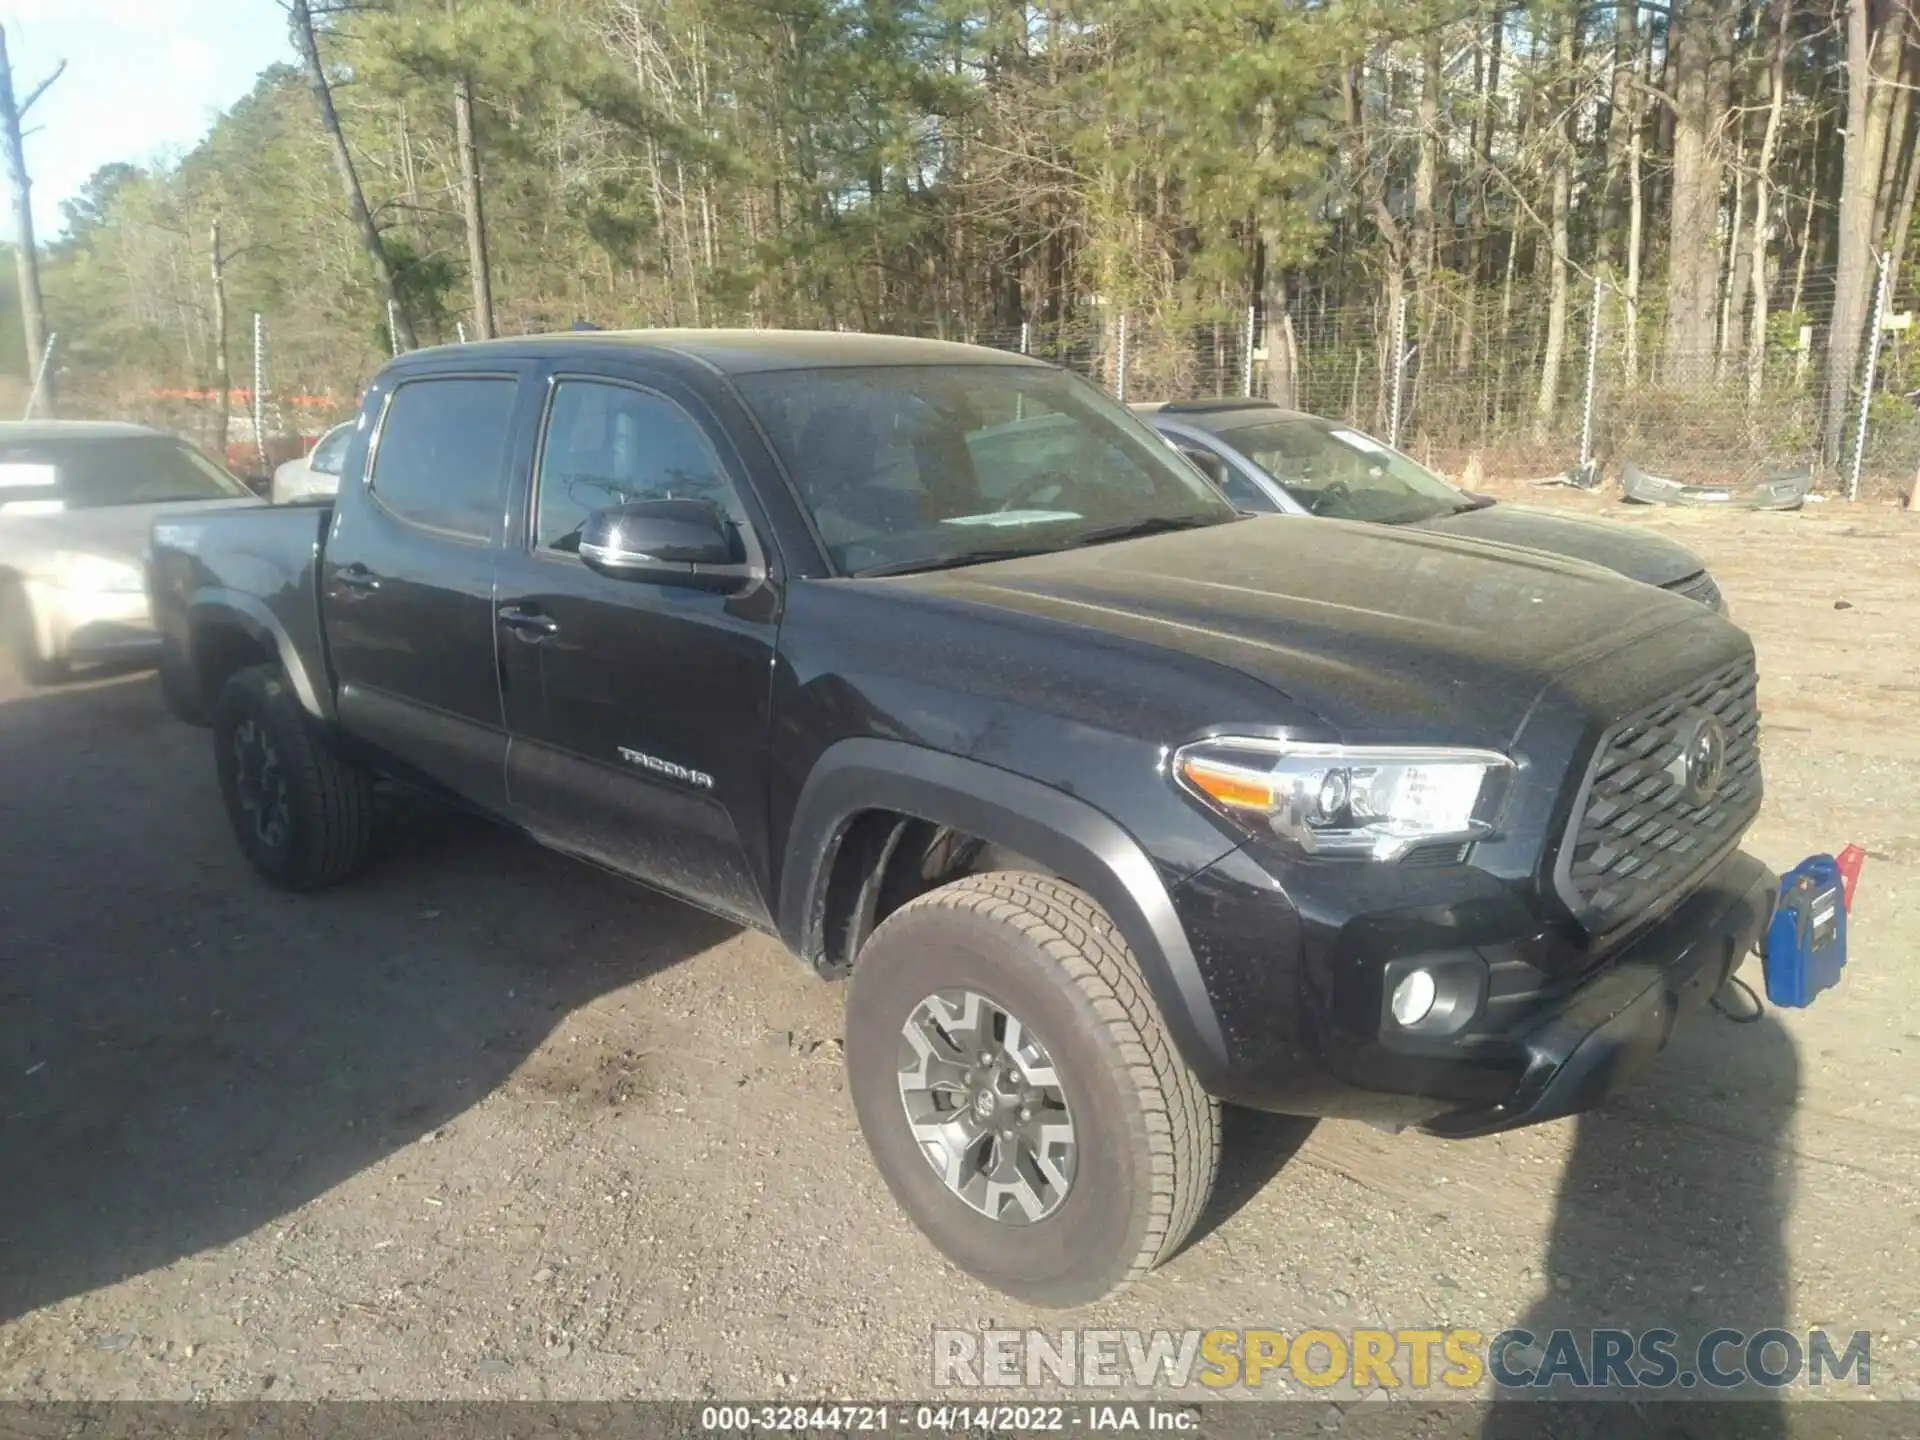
column 1134, row 529
column 952, row 562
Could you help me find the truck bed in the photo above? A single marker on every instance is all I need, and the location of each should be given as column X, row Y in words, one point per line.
column 259, row 566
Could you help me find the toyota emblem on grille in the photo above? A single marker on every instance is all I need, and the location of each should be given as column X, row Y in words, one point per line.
column 1701, row 763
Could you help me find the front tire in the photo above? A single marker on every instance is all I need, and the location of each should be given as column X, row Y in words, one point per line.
column 302, row 812
column 1016, row 1085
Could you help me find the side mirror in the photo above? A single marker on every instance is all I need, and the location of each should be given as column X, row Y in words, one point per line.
column 667, row 542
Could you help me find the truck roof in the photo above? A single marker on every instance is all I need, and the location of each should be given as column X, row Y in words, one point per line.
column 742, row 352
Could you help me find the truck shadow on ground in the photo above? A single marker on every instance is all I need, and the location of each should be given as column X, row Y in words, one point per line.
column 1254, row 1148
column 186, row 1054
column 1671, row 1215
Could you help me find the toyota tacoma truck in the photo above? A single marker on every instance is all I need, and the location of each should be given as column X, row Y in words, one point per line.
column 1111, row 804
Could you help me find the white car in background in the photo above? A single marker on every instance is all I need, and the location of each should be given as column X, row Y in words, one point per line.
column 315, row 475
column 77, row 501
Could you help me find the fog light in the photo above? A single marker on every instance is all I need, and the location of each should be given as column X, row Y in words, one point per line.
column 1413, row 997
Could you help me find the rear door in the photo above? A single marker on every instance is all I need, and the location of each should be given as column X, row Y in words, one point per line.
column 639, row 712
column 408, row 574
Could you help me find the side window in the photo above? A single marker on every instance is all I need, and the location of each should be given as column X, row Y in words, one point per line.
column 608, row 444
column 442, row 457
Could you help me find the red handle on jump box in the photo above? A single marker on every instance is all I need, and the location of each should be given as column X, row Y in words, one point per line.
column 1850, row 861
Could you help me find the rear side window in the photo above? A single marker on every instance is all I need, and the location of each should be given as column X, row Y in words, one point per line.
column 442, row 457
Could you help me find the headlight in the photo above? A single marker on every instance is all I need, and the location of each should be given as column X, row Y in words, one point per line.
column 1361, row 801
column 98, row 574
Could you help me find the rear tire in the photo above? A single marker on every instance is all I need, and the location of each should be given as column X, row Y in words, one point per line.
column 978, row 967
column 302, row 812
column 20, row 637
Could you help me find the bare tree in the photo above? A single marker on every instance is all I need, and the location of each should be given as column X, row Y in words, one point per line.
column 300, row 17
column 1900, row 217
column 1700, row 52
column 222, row 371
column 1622, row 122
column 1874, row 64
column 475, row 217
column 1762, row 201
column 1636, row 222
column 1426, row 182
column 1371, row 181
column 33, row 311
column 1561, row 140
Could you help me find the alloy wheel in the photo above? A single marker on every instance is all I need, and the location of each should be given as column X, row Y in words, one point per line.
column 261, row 785
column 985, row 1104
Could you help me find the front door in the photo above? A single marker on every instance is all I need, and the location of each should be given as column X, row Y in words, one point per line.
column 638, row 712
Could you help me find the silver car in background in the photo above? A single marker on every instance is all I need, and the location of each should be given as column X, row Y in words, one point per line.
column 77, row 500
column 315, row 475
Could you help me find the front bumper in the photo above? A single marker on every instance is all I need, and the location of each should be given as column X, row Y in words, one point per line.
column 95, row 627
column 1302, row 1005
column 1606, row 1033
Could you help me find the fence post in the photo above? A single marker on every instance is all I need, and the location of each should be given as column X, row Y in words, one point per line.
column 1026, row 337
column 40, row 375
column 1120, row 370
column 260, row 387
column 1873, row 364
column 1246, row 360
column 1399, row 371
column 393, row 328
column 1593, row 373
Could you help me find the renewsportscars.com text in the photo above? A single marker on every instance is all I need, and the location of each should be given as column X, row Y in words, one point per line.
column 1447, row 1359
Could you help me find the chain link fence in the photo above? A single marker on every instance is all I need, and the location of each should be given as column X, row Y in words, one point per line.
column 1484, row 381
column 1465, row 380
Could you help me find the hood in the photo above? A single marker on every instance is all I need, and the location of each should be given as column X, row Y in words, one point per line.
column 118, row 532
column 1386, row 633
column 1650, row 559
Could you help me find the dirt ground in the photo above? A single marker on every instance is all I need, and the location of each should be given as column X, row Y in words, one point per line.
column 489, row 1124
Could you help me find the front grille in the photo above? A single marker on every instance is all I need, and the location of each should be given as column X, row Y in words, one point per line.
column 1699, row 587
column 1639, row 836
column 1436, row 852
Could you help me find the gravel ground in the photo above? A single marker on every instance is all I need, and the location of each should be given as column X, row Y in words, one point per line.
column 487, row 1123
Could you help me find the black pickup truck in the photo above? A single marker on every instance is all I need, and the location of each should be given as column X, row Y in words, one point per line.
column 938, row 665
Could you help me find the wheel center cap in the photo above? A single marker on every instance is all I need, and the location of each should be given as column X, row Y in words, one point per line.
column 984, row 1104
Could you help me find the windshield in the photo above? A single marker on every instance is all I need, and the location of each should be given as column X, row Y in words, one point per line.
column 1343, row 474
column 922, row 466
column 91, row 472
column 331, row 452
